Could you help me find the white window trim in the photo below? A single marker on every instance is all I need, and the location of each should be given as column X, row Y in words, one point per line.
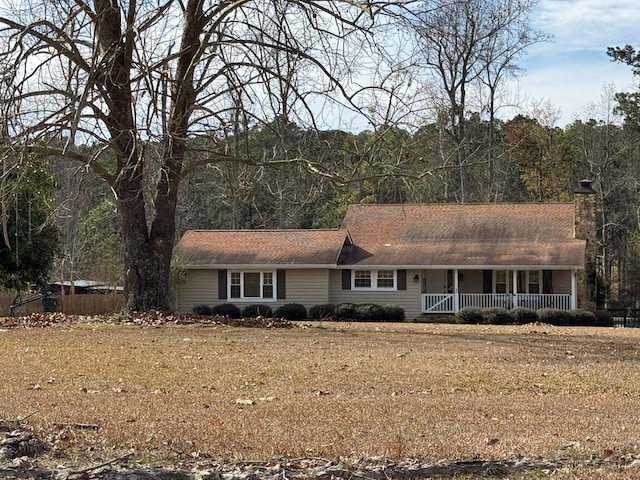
column 242, row 298
column 374, row 280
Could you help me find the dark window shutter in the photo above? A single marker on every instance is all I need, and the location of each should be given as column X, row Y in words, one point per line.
column 547, row 281
column 487, row 281
column 281, row 279
column 346, row 279
column 402, row 279
column 222, row 284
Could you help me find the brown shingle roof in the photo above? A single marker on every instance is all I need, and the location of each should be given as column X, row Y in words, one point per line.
column 261, row 247
column 464, row 235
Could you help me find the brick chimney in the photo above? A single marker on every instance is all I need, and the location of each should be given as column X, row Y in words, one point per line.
column 585, row 202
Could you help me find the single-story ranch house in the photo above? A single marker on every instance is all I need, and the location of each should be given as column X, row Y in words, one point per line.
column 429, row 259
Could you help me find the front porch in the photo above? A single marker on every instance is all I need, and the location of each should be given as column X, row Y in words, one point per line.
column 448, row 291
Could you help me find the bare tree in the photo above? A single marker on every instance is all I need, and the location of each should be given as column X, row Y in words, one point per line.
column 462, row 44
column 138, row 78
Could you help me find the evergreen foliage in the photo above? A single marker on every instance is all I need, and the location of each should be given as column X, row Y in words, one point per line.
column 393, row 313
column 345, row 312
column 523, row 315
column 324, row 311
column 202, row 309
column 257, row 311
column 29, row 244
column 226, row 309
column 291, row 311
column 496, row 316
column 470, row 315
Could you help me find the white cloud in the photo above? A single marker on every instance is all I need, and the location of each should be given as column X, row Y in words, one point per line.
column 589, row 24
column 572, row 71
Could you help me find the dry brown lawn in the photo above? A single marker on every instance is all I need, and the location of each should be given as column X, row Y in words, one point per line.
column 328, row 390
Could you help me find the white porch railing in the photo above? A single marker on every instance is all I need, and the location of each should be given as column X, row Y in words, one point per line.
column 485, row 300
column 438, row 303
column 445, row 302
column 547, row 300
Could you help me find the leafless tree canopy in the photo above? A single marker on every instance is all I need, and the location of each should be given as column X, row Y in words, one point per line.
column 121, row 75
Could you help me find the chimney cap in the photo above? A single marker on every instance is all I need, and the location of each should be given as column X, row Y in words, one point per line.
column 585, row 187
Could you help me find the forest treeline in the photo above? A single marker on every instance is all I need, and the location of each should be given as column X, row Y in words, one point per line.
column 284, row 176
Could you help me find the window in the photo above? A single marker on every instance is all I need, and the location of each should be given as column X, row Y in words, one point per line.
column 362, row 279
column 267, row 285
column 235, row 285
column 374, row 279
column 528, row 281
column 251, row 285
column 534, row 281
column 385, row 279
column 501, row 281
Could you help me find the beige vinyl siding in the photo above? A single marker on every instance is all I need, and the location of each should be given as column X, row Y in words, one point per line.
column 200, row 287
column 409, row 299
column 307, row 286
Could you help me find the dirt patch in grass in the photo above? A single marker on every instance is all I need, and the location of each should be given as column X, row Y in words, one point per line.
column 176, row 393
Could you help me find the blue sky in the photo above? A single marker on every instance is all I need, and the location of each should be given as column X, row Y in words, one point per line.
column 571, row 71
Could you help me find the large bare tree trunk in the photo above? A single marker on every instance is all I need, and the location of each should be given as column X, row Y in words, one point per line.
column 147, row 248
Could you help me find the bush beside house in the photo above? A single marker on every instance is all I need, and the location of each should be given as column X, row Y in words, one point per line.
column 226, row 309
column 291, row 311
column 522, row 315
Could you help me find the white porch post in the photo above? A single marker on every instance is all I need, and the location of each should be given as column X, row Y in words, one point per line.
column 456, row 295
column 574, row 289
column 514, row 302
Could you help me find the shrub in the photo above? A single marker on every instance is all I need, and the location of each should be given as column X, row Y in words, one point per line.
column 202, row 309
column 326, row 311
column 257, row 311
column 604, row 318
column 291, row 311
column 393, row 313
column 524, row 315
column 496, row 316
column 226, row 310
column 583, row 318
column 554, row 316
column 369, row 312
column 345, row 311
column 469, row 315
